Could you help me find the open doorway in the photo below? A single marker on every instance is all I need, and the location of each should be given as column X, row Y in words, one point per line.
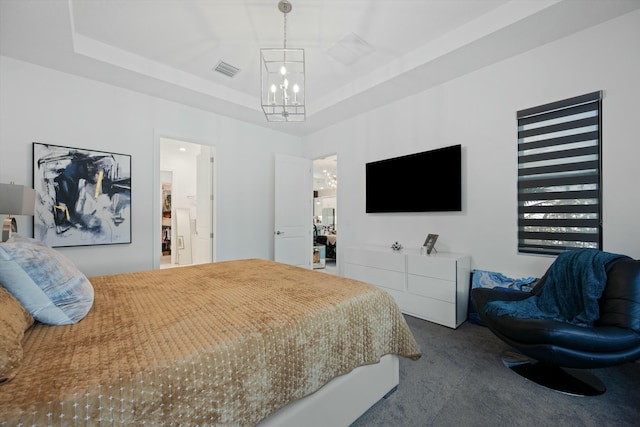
column 186, row 181
column 325, row 214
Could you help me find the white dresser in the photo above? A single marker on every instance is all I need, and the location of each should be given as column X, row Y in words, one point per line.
column 432, row 287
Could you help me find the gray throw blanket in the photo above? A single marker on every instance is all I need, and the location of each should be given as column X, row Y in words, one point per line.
column 574, row 284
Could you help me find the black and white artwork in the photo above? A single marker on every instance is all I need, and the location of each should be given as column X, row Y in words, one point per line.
column 83, row 197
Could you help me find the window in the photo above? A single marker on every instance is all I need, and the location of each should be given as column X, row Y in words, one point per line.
column 559, row 179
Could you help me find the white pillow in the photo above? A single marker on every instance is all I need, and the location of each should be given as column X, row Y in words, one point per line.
column 47, row 283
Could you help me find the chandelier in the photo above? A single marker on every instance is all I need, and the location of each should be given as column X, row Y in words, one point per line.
column 283, row 81
column 331, row 179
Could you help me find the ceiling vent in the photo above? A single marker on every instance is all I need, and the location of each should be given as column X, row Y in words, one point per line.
column 226, row 69
column 350, row 49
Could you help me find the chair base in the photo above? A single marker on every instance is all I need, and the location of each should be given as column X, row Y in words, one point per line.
column 575, row 382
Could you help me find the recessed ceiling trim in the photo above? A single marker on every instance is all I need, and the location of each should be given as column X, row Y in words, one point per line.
column 91, row 48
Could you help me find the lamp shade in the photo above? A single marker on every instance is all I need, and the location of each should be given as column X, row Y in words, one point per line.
column 17, row 200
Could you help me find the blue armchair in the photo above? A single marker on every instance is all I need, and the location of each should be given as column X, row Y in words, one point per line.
column 554, row 352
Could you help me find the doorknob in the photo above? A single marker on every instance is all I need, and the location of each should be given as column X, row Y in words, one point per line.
column 279, row 232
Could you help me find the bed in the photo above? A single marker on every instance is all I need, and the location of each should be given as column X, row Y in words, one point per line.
column 236, row 343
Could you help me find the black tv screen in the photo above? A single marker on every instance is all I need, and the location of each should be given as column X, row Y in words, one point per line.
column 423, row 182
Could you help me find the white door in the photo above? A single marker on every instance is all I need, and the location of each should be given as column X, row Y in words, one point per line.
column 293, row 211
column 203, row 239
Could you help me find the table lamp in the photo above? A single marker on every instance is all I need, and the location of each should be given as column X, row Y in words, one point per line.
column 15, row 200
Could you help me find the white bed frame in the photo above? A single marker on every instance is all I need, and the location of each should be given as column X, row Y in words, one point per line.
column 342, row 400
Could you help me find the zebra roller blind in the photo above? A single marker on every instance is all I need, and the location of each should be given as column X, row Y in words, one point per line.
column 559, row 175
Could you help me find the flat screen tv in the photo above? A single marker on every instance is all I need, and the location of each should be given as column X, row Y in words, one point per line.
column 423, row 182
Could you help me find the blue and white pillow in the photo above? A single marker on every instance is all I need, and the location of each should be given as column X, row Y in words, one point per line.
column 47, row 283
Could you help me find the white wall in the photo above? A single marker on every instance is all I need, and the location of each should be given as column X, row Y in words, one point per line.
column 479, row 111
column 42, row 105
column 476, row 110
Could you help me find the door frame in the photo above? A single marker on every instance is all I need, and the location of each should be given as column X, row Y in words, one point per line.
column 156, row 220
column 337, row 156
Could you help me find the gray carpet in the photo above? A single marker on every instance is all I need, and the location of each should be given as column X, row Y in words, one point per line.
column 461, row 381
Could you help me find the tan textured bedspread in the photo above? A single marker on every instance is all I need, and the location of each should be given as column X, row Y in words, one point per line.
column 224, row 344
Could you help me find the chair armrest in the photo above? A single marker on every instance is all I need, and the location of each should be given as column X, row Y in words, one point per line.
column 481, row 296
column 561, row 334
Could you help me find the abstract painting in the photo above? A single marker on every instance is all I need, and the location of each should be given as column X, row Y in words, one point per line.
column 83, row 197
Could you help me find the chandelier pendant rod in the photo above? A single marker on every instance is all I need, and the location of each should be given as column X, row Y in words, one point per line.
column 285, row 96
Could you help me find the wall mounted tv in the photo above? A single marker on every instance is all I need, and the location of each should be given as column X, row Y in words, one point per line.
column 430, row 181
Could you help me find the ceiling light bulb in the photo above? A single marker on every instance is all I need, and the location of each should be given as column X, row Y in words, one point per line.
column 296, row 88
column 183, row 149
column 286, row 83
column 273, row 88
column 283, row 70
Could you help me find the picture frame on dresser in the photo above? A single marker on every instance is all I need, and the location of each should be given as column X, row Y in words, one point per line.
column 430, row 242
column 83, row 197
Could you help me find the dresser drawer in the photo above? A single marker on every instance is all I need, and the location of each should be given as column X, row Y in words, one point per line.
column 431, row 309
column 440, row 268
column 444, row 290
column 386, row 260
column 376, row 276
